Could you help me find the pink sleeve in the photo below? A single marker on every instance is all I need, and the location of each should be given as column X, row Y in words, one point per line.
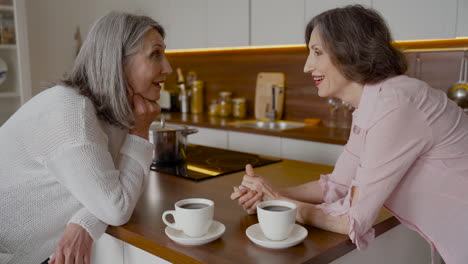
column 335, row 185
column 391, row 145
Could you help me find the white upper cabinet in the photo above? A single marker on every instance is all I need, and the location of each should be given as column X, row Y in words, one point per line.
column 227, row 23
column 275, row 22
column 315, row 7
column 204, row 23
column 462, row 22
column 420, row 19
column 185, row 23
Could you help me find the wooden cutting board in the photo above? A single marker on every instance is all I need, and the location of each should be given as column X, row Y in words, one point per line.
column 263, row 94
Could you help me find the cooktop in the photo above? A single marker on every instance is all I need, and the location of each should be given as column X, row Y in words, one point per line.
column 204, row 162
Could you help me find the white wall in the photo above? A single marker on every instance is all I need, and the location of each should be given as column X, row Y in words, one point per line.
column 51, row 30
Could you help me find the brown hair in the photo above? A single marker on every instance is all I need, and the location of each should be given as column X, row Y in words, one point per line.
column 359, row 43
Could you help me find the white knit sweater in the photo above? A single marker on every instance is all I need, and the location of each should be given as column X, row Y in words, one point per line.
column 60, row 164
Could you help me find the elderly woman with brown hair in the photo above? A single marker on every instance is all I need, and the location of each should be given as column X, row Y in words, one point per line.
column 74, row 157
column 408, row 147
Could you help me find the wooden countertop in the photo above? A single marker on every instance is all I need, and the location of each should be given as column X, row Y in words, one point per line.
column 318, row 133
column 145, row 229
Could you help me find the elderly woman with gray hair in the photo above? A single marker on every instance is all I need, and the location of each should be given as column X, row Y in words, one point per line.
column 74, row 157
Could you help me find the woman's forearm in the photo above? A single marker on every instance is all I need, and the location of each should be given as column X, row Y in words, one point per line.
column 309, row 192
column 309, row 214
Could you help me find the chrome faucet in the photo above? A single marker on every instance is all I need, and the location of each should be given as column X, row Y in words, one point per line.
column 271, row 115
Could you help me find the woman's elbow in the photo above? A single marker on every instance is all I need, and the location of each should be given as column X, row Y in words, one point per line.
column 343, row 225
column 116, row 217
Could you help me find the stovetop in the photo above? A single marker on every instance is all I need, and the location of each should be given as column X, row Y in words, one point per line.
column 206, row 162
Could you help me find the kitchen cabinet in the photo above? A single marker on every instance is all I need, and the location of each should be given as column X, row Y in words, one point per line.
column 132, row 255
column 215, row 138
column 315, row 7
column 108, row 249
column 309, row 151
column 275, row 22
column 398, row 245
column 205, row 23
column 419, row 19
column 15, row 90
column 287, row 148
column 253, row 143
column 227, row 23
column 462, row 18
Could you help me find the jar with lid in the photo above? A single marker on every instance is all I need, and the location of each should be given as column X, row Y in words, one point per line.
column 196, row 106
column 238, row 107
column 225, row 106
column 214, row 107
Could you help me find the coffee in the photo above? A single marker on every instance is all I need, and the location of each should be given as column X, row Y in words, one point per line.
column 276, row 208
column 194, row 206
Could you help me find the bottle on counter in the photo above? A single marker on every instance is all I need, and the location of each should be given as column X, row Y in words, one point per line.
column 196, row 106
column 239, row 109
column 183, row 92
column 225, row 105
column 164, row 99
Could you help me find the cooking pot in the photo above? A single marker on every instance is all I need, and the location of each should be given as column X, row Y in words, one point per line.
column 459, row 92
column 170, row 143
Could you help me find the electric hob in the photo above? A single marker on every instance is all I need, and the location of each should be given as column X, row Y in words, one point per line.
column 206, row 162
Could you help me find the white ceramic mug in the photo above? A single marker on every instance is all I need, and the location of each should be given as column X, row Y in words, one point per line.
column 276, row 218
column 193, row 216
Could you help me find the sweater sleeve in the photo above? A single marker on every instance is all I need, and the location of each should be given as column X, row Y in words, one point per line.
column 89, row 173
column 391, row 146
column 91, row 223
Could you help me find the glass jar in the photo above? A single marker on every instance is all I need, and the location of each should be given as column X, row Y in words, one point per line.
column 225, row 107
column 213, row 109
column 196, row 106
column 238, row 107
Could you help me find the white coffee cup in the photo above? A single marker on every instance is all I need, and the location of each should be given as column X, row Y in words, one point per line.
column 276, row 218
column 193, row 216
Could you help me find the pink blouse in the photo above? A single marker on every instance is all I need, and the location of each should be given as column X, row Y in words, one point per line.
column 407, row 151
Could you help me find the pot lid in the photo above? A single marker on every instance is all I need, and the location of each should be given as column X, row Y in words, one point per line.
column 156, row 126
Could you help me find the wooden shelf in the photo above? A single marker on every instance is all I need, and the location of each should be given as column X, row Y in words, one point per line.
column 405, row 46
column 6, row 8
column 7, row 47
column 9, row 94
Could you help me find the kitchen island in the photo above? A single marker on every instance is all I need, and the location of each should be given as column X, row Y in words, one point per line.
column 145, row 230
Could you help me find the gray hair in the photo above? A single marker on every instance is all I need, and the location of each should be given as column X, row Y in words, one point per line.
column 98, row 72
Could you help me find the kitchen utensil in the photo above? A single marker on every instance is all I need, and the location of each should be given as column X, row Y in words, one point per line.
column 263, row 94
column 162, row 122
column 3, row 71
column 170, row 142
column 418, row 65
column 459, row 92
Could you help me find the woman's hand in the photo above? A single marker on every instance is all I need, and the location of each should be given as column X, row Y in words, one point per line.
column 257, row 183
column 144, row 112
column 74, row 246
column 253, row 190
column 247, row 199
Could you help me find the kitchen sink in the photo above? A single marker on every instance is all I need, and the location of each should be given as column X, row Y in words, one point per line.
column 266, row 125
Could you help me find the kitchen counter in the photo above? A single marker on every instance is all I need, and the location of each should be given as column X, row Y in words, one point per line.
column 317, row 133
column 145, row 229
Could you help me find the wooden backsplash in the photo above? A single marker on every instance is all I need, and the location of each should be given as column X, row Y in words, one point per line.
column 236, row 71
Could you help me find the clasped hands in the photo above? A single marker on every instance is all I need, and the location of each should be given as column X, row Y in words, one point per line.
column 253, row 189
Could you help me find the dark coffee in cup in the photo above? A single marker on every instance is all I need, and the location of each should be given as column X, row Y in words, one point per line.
column 276, row 208
column 194, row 206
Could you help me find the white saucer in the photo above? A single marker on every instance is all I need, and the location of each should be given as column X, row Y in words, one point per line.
column 255, row 234
column 216, row 230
